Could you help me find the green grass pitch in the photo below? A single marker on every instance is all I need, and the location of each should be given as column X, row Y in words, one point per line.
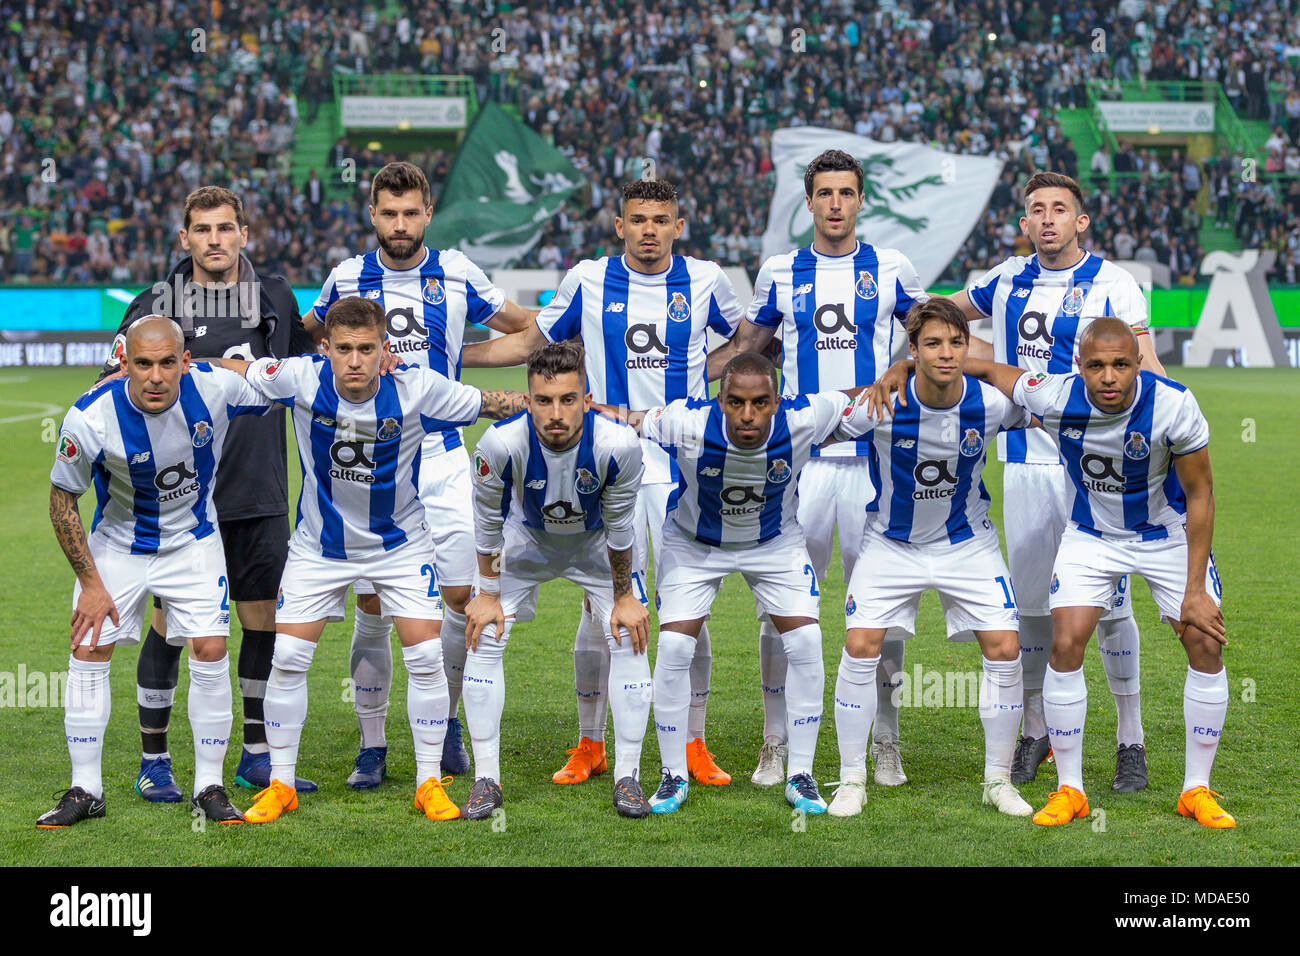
column 936, row 819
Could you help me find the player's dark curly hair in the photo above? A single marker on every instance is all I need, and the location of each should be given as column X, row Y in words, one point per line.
column 651, row 190
column 941, row 309
column 557, row 358
column 749, row 363
column 355, row 312
column 399, row 178
column 1050, row 180
column 831, row 161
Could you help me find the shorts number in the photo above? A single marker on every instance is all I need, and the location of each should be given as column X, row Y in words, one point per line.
column 1008, row 592
column 225, row 592
column 640, row 588
column 1214, row 579
column 812, row 589
column 1121, row 585
column 433, row 579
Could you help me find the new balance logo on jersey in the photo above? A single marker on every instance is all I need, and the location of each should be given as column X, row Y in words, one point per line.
column 615, row 307
column 1101, row 474
column 350, row 456
column 741, row 500
column 371, row 294
column 830, row 319
column 804, row 289
column 932, row 473
column 905, row 443
column 1020, row 294
column 140, row 458
column 175, row 482
column 1033, row 325
column 710, row 472
column 642, row 339
column 1074, row 434
column 537, row 484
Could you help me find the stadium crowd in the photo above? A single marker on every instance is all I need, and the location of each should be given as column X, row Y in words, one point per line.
column 109, row 118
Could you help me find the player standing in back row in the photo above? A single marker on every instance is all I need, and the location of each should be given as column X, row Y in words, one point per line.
column 833, row 304
column 427, row 296
column 642, row 318
column 1040, row 307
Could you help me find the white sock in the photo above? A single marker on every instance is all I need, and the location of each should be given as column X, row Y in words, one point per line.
column 672, row 698
column 888, row 676
column 591, row 676
column 771, row 670
column 426, row 705
column 701, row 674
column 485, row 700
column 372, row 675
column 87, row 703
column 630, row 685
column 1120, row 656
column 1205, row 707
column 1002, row 691
column 855, row 708
column 454, row 651
column 805, row 685
column 1065, row 705
column 211, row 709
column 286, row 704
column 1035, row 652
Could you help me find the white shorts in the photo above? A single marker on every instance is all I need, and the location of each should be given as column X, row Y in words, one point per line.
column 1087, row 570
column 973, row 582
column 1036, row 501
column 834, row 493
column 315, row 588
column 689, row 574
column 651, row 513
column 446, row 491
column 190, row 582
column 529, row 560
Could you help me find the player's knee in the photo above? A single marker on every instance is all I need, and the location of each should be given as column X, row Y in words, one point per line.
column 803, row 645
column 675, row 650
column 861, row 643
column 292, row 654
column 208, row 649
column 368, row 603
column 423, row 660
column 455, row 598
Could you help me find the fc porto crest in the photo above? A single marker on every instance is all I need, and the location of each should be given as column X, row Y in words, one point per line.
column 1073, row 302
column 972, row 443
column 586, row 482
column 779, row 472
column 865, row 287
column 1137, row 446
column 850, row 606
column 679, row 310
column 279, row 600
column 433, row 292
column 202, row 434
column 1056, row 584
column 388, row 430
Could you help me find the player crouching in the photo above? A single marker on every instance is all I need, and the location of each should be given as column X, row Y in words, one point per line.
column 554, row 496
column 928, row 528
column 360, row 516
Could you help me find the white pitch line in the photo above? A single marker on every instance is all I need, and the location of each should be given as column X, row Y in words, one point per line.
column 45, row 410
column 18, row 380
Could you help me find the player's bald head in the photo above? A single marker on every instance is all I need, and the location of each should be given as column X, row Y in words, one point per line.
column 154, row 328
column 1108, row 329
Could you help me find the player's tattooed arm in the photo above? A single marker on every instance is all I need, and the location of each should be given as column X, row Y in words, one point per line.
column 501, row 403
column 94, row 603
column 629, row 613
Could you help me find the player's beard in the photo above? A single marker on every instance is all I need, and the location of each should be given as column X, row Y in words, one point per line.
column 399, row 250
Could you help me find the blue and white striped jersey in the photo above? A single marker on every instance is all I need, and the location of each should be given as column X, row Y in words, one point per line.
column 592, row 485
column 1038, row 315
column 732, row 497
column 361, row 461
column 927, row 463
column 834, row 316
column 152, row 472
column 1121, row 465
column 427, row 307
column 644, row 334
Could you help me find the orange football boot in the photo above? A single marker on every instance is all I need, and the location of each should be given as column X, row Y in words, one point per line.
column 585, row 760
column 1199, row 802
column 1062, row 807
column 702, row 766
column 271, row 802
column 433, row 800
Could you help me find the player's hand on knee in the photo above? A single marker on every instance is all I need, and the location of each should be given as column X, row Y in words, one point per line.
column 93, row 605
column 483, row 610
column 630, row 615
column 1200, row 611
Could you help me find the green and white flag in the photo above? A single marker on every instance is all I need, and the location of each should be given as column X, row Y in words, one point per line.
column 917, row 199
column 505, row 183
